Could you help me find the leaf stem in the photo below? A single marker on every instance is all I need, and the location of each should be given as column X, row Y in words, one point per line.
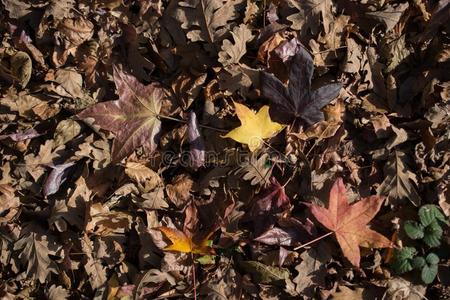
column 315, row 240
column 184, row 122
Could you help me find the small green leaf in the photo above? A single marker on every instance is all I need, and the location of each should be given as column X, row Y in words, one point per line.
column 413, row 229
column 206, row 260
column 429, row 273
column 403, row 259
column 402, row 266
column 406, row 253
column 429, row 213
column 262, row 273
column 432, row 259
column 418, row 262
column 433, row 234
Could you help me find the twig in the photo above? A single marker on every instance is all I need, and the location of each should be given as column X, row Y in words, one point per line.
column 193, row 277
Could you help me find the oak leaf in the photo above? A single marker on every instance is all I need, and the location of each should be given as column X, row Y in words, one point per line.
column 206, row 20
column 399, row 180
column 349, row 222
column 182, row 243
column 232, row 53
column 133, row 118
column 255, row 126
column 35, row 251
column 309, row 15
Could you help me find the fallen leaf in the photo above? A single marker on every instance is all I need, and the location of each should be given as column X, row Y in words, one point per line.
column 16, row 8
column 214, row 16
column 309, row 16
column 297, row 100
column 255, row 127
column 66, row 131
column 71, row 81
column 312, row 270
column 273, row 199
column 179, row 192
column 133, row 118
column 56, row 178
column 9, row 203
column 21, row 136
column 390, row 15
column 142, row 174
column 262, row 273
column 76, row 31
column 346, row 293
column 182, row 243
column 280, row 237
column 399, row 180
column 34, row 252
column 21, row 67
column 232, row 53
column 349, row 222
column 93, row 266
column 57, row 293
column 257, row 169
column 196, row 143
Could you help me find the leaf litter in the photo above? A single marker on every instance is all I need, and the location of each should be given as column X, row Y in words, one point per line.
column 224, row 149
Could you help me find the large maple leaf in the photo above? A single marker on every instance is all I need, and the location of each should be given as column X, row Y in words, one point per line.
column 133, row 118
column 349, row 222
column 254, row 128
column 297, row 100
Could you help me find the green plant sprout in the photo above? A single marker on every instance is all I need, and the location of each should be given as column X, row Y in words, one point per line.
column 429, row 231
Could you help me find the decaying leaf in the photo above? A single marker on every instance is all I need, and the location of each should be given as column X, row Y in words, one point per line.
column 312, row 270
column 56, row 178
column 206, row 20
column 257, row 169
column 265, row 274
column 309, row 16
column 232, row 53
column 349, row 222
column 390, row 15
column 9, row 203
column 133, row 118
column 399, row 180
column 35, row 249
column 179, row 191
column 196, row 142
column 94, row 268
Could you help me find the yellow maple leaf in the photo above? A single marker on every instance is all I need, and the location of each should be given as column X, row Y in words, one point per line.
column 254, row 126
column 182, row 243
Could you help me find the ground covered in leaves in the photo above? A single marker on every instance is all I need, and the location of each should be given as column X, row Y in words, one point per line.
column 224, row 149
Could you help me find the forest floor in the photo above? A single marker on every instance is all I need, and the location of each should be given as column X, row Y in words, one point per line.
column 224, row 149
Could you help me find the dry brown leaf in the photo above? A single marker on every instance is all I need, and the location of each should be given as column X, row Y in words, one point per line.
column 142, row 174
column 179, row 192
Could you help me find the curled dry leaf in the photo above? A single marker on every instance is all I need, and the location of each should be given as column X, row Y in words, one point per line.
column 56, row 178
column 196, row 142
column 179, row 191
